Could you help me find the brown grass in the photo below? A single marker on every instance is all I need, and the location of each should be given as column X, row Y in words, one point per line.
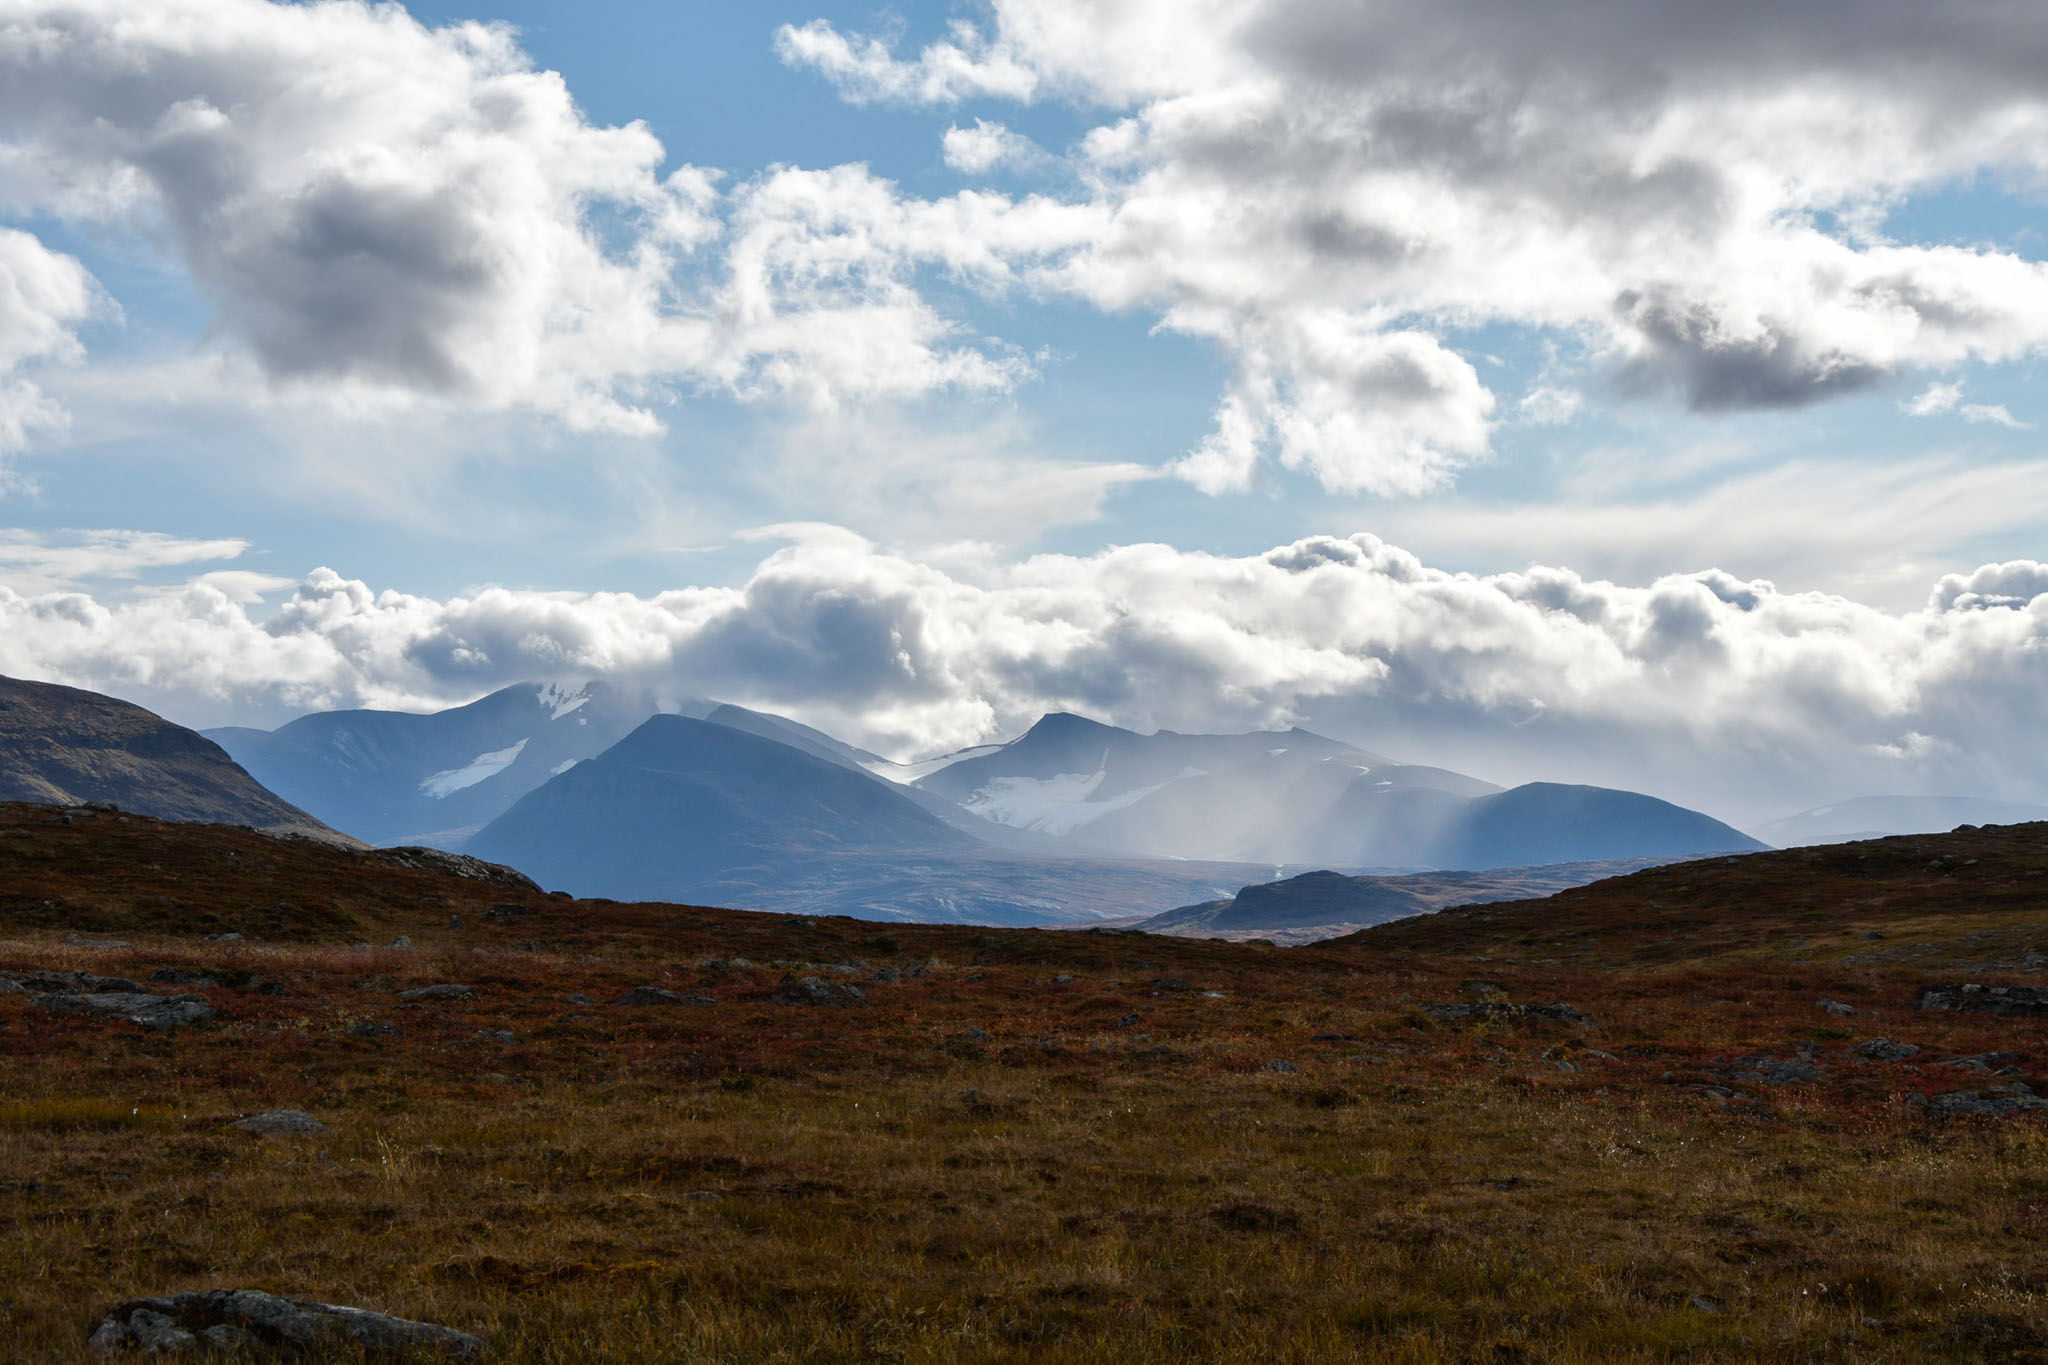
column 757, row 1181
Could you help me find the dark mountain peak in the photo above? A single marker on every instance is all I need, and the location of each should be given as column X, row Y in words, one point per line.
column 1064, row 727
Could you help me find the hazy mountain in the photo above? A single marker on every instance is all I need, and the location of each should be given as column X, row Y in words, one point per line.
column 395, row 777
column 1295, row 797
column 1872, row 817
column 1323, row 904
column 64, row 745
column 684, row 809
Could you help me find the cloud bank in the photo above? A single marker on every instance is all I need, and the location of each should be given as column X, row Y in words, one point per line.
column 1703, row 687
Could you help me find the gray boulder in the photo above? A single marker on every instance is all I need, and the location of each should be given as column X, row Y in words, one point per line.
column 2012, row 1001
column 265, row 1323
column 1885, row 1050
column 650, row 995
column 812, row 990
column 284, row 1123
column 154, row 1012
column 443, row 992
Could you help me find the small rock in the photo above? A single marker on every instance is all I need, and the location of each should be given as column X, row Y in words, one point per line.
column 577, row 998
column 455, row 921
column 1063, row 980
column 182, row 976
column 1885, row 1050
column 1127, row 1021
column 2011, row 1001
column 1170, row 983
column 972, row 1035
column 1282, row 1066
column 248, row 1318
column 509, row 910
column 1986, row 1063
column 441, row 992
column 1704, row 1304
column 153, row 1012
column 371, row 1028
column 284, row 1123
column 1332, row 1038
column 1834, row 1007
column 499, row 1035
column 812, row 990
column 402, row 941
column 649, row 995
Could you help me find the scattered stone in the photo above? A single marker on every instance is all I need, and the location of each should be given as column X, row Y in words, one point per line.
column 1885, row 1050
column 1332, row 1038
column 461, row 864
column 1063, row 980
column 649, row 995
column 975, row 976
column 73, row 983
column 284, row 1123
column 1169, row 983
column 498, row 1035
column 224, row 938
column 1834, row 1007
column 441, row 992
column 2012, row 1001
column 1772, row 1070
column 813, row 990
column 1499, row 1011
column 977, row 1101
column 1988, row 1063
column 972, row 1035
column 371, row 1028
column 843, row 968
column 455, row 921
column 1127, row 1021
column 1997, row 1102
column 802, row 922
column 498, row 914
column 182, row 976
column 1282, row 1066
column 577, row 998
column 1704, row 1304
column 229, row 1318
column 153, row 1012
column 402, row 941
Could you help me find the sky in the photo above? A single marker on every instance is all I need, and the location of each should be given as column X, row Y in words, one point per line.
column 1619, row 391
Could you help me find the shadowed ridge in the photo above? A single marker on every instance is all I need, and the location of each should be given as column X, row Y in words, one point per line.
column 68, row 746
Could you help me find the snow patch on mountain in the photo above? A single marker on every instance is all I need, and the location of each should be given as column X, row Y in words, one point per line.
column 561, row 700
column 473, row 772
column 906, row 773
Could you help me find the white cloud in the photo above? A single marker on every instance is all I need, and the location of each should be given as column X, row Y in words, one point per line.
column 1704, row 687
column 1936, row 399
column 987, row 146
column 44, row 295
column 37, row 561
column 1700, row 206
column 1995, row 414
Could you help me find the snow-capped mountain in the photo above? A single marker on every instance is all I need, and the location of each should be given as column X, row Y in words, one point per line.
column 394, row 777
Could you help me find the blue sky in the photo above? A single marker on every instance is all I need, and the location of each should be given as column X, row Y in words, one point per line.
column 995, row 292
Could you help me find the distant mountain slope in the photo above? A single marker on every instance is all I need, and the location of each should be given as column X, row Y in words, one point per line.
column 684, row 809
column 1321, row 904
column 395, row 777
column 1872, row 817
column 62, row 744
column 1546, row 822
column 1296, row 797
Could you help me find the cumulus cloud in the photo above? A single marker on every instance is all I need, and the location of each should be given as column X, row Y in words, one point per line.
column 1934, row 400
column 1708, row 687
column 987, row 146
column 1699, row 202
column 384, row 214
column 44, row 295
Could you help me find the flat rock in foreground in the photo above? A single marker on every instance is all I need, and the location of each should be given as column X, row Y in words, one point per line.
column 154, row 1012
column 251, row 1321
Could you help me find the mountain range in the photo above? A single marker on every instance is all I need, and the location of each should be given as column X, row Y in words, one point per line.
column 594, row 789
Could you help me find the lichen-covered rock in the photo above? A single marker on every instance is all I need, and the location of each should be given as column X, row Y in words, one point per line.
column 260, row 1323
column 137, row 1007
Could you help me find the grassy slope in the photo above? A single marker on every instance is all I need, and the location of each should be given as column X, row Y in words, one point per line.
column 752, row 1180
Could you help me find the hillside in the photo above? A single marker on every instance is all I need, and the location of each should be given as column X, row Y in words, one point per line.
column 1694, row 1113
column 68, row 746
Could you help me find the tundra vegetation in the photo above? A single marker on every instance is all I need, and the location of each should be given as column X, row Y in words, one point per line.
column 1742, row 1141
